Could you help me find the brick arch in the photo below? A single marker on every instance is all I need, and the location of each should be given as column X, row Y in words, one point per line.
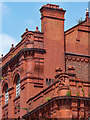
column 16, row 72
column 15, row 78
column 3, row 84
column 15, row 81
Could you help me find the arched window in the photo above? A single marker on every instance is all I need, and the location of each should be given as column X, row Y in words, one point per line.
column 18, row 85
column 6, row 92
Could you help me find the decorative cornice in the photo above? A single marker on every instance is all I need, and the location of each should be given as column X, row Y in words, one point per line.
column 24, row 50
column 76, row 57
column 54, row 99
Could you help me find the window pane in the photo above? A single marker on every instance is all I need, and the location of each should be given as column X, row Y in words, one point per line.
column 18, row 80
column 6, row 97
column 49, row 81
column 6, row 93
column 18, row 89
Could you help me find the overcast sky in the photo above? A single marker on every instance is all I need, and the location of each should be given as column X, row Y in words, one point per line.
column 17, row 16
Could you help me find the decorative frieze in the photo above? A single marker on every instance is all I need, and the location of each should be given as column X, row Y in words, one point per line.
column 78, row 59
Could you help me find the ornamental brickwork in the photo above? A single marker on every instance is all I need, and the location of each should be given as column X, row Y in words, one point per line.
column 46, row 75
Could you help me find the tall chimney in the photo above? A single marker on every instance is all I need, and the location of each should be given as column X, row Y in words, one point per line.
column 52, row 25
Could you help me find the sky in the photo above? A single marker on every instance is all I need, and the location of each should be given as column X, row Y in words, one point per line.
column 17, row 16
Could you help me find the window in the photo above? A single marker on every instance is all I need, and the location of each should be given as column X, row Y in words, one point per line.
column 18, row 86
column 52, row 80
column 6, row 93
column 49, row 81
column 46, row 81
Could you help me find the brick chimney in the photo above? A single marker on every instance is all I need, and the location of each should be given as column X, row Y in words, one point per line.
column 52, row 25
column 51, row 11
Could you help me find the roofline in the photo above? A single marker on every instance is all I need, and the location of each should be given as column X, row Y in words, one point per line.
column 17, row 45
column 75, row 26
column 23, row 50
column 38, row 32
column 6, row 55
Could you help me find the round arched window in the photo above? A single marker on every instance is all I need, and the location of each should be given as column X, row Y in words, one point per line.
column 18, row 85
column 6, row 92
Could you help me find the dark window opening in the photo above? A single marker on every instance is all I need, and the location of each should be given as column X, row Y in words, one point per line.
column 49, row 81
column 46, row 81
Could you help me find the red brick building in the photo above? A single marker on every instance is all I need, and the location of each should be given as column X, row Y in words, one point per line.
column 46, row 75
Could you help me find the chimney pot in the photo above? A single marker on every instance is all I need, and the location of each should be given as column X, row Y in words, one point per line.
column 57, row 6
column 52, row 6
column 61, row 8
column 47, row 5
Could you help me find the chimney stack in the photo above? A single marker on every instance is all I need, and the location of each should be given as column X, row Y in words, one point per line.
column 52, row 25
column 51, row 11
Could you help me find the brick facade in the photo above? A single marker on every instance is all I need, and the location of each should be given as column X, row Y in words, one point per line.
column 46, row 75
